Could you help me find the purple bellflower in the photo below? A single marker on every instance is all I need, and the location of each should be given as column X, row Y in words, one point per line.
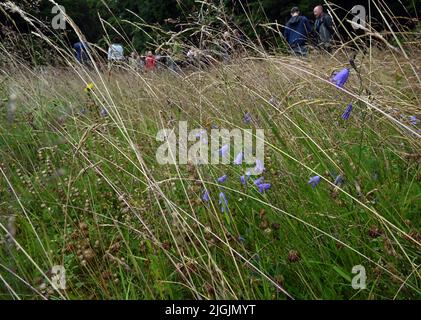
column 259, row 166
column 314, row 181
column 223, row 202
column 263, row 187
column 247, row 118
column 340, row 78
column 347, row 112
column 224, row 150
column 413, row 120
column 259, row 181
column 205, row 196
column 238, row 159
column 339, row 181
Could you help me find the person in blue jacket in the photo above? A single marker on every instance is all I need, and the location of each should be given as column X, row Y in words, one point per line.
column 297, row 31
column 81, row 49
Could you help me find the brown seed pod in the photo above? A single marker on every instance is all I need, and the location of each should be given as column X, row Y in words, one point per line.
column 88, row 254
column 293, row 256
column 83, row 226
column 374, row 232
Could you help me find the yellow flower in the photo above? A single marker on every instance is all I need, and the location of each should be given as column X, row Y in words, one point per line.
column 89, row 87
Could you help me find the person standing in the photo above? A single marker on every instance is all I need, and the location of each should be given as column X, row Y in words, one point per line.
column 239, row 42
column 193, row 58
column 150, row 61
column 226, row 46
column 81, row 49
column 297, row 31
column 134, row 61
column 115, row 52
column 115, row 56
column 323, row 27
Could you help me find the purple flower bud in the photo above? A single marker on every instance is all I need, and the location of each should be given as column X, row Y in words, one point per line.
column 202, row 135
column 314, row 181
column 347, row 112
column 413, row 120
column 339, row 181
column 238, row 159
column 243, row 180
column 259, row 166
column 104, row 112
column 259, row 181
column 247, row 118
column 340, row 78
column 224, row 150
column 263, row 187
column 205, row 196
column 222, row 179
column 223, row 202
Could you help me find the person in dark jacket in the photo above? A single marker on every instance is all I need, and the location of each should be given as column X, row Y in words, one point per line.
column 81, row 49
column 323, row 27
column 297, row 31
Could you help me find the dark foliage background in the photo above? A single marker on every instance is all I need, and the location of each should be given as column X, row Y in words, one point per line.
column 174, row 14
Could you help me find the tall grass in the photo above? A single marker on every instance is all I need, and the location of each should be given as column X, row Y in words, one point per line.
column 80, row 185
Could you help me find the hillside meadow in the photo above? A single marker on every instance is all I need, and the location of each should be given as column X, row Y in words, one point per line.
column 80, row 185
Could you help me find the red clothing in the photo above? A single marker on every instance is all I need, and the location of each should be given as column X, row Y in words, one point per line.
column 150, row 63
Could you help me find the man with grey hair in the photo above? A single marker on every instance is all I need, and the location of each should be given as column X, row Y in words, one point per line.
column 323, row 27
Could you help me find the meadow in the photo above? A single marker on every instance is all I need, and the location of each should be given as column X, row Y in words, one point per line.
column 80, row 185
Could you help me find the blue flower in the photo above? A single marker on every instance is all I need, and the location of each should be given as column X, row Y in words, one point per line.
column 314, row 181
column 243, row 180
column 247, row 118
column 340, row 78
column 259, row 181
column 413, row 120
column 203, row 136
column 263, row 187
column 104, row 112
column 223, row 178
column 347, row 112
column 223, row 202
column 205, row 196
column 224, row 150
column 339, row 180
column 238, row 159
column 259, row 166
